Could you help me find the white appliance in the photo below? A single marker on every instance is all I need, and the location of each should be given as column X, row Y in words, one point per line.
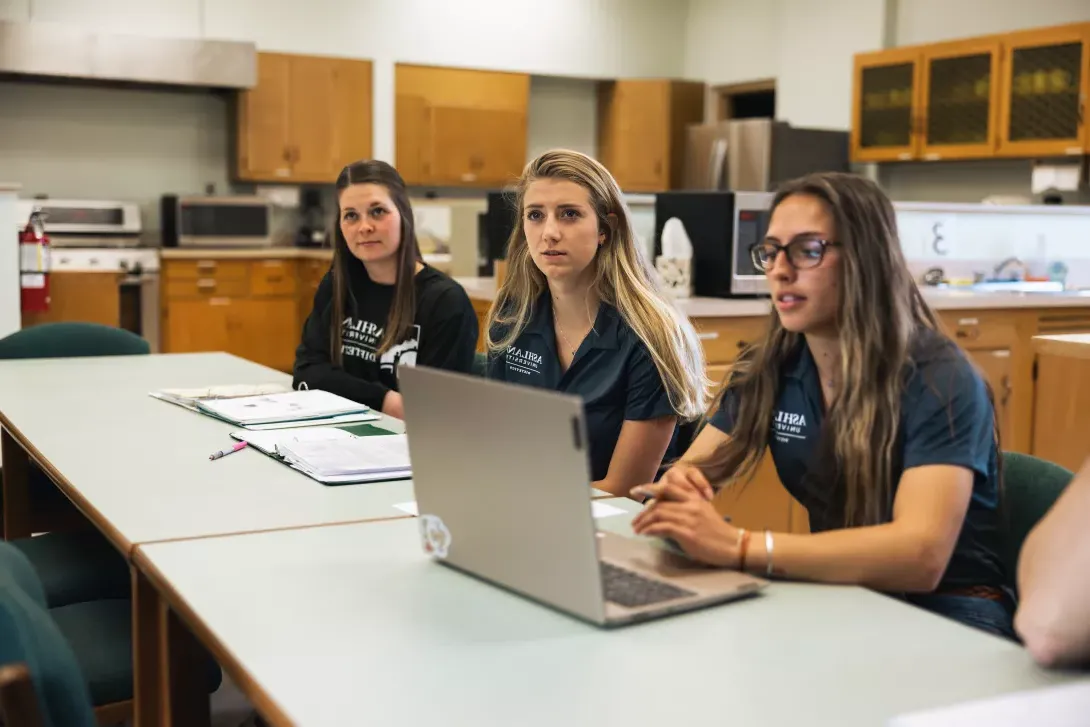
column 86, row 222
column 103, row 236
column 10, row 313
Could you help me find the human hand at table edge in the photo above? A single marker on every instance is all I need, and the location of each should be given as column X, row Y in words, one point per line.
column 680, row 512
column 393, row 405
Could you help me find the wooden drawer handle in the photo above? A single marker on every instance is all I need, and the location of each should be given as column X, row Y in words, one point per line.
column 707, row 335
column 970, row 335
column 968, row 322
column 206, row 264
column 206, row 283
column 274, row 278
column 219, row 301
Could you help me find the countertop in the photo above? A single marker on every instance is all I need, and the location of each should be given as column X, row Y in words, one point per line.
column 266, row 253
column 485, row 289
column 1072, row 345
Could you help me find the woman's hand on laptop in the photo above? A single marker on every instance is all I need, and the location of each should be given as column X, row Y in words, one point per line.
column 684, row 474
column 678, row 511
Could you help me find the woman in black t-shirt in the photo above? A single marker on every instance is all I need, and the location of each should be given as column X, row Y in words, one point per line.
column 380, row 305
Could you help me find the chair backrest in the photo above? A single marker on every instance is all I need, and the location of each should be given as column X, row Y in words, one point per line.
column 35, row 658
column 480, row 364
column 69, row 339
column 1030, row 486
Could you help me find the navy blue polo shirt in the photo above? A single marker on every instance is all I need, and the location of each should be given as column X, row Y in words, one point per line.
column 946, row 418
column 612, row 372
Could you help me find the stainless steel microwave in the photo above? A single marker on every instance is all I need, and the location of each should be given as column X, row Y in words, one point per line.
column 215, row 221
column 722, row 227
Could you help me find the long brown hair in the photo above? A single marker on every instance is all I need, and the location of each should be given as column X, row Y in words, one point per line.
column 882, row 314
column 623, row 279
column 403, row 311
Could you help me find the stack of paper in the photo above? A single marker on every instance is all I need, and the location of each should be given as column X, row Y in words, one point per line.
column 291, row 407
column 190, row 398
column 358, row 459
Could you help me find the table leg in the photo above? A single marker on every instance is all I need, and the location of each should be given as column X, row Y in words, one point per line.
column 147, row 658
column 169, row 665
column 16, row 487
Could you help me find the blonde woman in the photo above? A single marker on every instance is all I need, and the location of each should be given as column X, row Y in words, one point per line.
column 581, row 312
column 875, row 419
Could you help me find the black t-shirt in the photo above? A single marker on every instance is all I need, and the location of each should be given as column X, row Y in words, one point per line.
column 946, row 418
column 444, row 336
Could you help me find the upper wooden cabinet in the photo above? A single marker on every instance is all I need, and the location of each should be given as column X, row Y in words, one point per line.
column 1018, row 94
column 641, row 130
column 1046, row 80
column 304, row 120
column 457, row 127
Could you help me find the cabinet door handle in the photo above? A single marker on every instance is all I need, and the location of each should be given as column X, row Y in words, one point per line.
column 1005, row 384
column 286, row 156
column 969, row 335
column 206, row 265
column 206, row 283
column 707, row 335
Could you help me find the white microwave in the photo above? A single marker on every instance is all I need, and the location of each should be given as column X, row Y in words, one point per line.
column 216, row 221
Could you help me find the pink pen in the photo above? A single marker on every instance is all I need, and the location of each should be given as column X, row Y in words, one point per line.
column 225, row 452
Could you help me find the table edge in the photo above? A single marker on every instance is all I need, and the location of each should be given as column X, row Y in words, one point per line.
column 74, row 496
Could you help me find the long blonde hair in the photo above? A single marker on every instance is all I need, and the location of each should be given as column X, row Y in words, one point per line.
column 884, row 324
column 623, row 279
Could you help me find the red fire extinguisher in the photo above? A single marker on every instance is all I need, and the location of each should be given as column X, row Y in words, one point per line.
column 34, row 264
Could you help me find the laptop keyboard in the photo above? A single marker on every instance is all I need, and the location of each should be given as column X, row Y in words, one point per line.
column 631, row 590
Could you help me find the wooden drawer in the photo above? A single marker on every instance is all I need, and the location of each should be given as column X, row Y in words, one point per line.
column 724, row 338
column 273, row 277
column 207, row 287
column 1055, row 322
column 210, row 268
column 974, row 331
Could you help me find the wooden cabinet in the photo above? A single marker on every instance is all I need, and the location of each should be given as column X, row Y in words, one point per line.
column 246, row 307
column 886, row 103
column 641, row 130
column 311, row 272
column 1045, row 86
column 87, row 297
column 458, row 127
column 959, row 97
column 1016, row 94
column 305, row 119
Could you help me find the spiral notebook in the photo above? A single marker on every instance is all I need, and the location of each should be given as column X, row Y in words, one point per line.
column 291, row 406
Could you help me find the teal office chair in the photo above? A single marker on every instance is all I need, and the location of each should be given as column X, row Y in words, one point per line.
column 40, row 678
column 1030, row 487
column 74, row 566
column 78, row 657
column 480, row 364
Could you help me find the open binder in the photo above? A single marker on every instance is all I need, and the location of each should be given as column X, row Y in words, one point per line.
column 341, row 455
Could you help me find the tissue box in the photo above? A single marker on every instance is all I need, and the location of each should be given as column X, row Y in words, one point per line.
column 676, row 273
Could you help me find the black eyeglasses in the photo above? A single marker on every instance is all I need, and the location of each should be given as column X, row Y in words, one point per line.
column 802, row 253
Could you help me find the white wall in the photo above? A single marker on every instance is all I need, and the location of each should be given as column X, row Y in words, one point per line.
column 583, row 38
column 563, row 113
column 806, row 46
column 110, row 143
column 928, row 21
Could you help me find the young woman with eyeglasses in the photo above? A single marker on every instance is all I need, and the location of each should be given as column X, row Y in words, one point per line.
column 877, row 423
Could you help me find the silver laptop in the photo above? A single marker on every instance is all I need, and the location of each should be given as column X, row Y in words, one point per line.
column 502, row 482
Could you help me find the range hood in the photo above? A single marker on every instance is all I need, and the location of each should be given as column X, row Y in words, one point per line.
column 63, row 51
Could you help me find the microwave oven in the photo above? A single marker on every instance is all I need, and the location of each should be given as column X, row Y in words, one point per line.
column 215, row 221
column 722, row 227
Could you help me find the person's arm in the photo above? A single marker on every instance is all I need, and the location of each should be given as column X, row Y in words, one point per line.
column 909, row 554
column 449, row 333
column 946, row 445
column 1053, row 617
column 649, row 424
column 314, row 366
column 638, row 454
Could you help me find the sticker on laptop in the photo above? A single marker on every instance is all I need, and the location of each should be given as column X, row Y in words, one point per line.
column 435, row 534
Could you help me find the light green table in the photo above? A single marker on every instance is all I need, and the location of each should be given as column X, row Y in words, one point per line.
column 353, row 624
